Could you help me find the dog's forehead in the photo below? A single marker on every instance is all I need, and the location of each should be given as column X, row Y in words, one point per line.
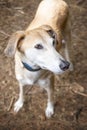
column 37, row 33
column 37, row 36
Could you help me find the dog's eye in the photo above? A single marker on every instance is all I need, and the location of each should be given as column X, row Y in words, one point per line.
column 38, row 46
column 54, row 42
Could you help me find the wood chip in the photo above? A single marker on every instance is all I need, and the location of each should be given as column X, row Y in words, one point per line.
column 11, row 104
column 77, row 87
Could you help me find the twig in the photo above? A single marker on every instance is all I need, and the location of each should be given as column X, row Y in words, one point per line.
column 4, row 33
column 2, row 3
column 80, row 1
column 35, row 92
column 11, row 104
column 29, row 89
column 82, row 94
column 77, row 7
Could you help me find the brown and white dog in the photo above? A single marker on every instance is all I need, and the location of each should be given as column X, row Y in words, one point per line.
column 36, row 50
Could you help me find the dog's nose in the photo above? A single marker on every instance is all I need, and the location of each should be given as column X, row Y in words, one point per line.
column 64, row 65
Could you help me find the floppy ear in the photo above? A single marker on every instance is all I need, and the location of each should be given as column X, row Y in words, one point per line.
column 13, row 42
column 49, row 30
column 55, row 35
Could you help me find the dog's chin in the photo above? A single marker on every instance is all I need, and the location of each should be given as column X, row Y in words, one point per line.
column 44, row 68
column 58, row 72
column 54, row 71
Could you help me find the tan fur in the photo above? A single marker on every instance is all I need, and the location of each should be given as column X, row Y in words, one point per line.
column 51, row 17
column 55, row 16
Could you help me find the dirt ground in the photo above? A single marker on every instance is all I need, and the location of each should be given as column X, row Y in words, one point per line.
column 70, row 106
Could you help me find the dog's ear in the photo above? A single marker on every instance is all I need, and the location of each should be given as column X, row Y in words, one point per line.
column 49, row 30
column 13, row 42
column 51, row 33
column 57, row 36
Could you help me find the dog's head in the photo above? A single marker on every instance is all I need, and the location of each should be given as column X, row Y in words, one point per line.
column 38, row 47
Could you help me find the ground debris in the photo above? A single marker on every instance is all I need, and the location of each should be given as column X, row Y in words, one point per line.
column 80, row 2
column 71, row 106
column 78, row 89
column 11, row 104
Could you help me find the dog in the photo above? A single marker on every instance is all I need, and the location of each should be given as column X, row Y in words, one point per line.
column 36, row 50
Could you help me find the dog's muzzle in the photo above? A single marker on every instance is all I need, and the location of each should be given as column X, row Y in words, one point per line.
column 64, row 65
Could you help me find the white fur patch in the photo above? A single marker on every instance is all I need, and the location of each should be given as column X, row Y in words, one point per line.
column 18, row 105
column 49, row 110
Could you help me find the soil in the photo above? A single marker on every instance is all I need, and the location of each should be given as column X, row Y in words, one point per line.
column 70, row 104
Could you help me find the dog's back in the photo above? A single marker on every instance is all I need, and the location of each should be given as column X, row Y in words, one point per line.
column 51, row 12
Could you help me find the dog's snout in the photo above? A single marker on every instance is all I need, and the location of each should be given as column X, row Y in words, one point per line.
column 64, row 65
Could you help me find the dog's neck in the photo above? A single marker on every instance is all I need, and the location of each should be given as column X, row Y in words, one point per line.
column 30, row 68
column 27, row 64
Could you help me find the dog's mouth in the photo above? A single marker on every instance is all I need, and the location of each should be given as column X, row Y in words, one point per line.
column 44, row 68
column 57, row 69
column 61, row 68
